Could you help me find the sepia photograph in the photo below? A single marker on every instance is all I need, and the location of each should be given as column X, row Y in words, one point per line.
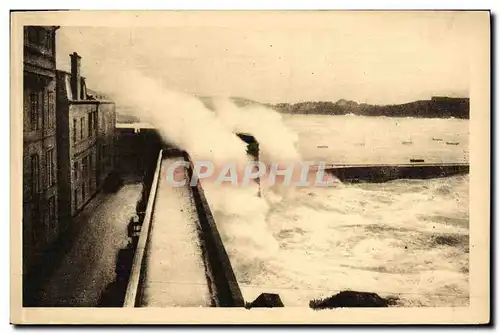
column 315, row 163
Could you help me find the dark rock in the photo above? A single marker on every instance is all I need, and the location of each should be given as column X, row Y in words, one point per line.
column 351, row 299
column 266, row 300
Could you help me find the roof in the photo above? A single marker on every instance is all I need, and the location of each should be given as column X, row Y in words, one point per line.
column 138, row 125
column 95, row 95
column 92, row 95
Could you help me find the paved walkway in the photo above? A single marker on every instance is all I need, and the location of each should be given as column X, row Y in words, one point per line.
column 89, row 266
column 175, row 275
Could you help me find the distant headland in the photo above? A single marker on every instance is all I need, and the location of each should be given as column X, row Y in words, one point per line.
column 436, row 107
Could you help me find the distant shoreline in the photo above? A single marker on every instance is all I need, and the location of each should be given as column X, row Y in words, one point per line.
column 437, row 107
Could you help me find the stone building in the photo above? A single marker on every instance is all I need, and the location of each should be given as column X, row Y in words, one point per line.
column 85, row 137
column 40, row 182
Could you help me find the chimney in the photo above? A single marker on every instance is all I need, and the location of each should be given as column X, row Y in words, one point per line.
column 75, row 75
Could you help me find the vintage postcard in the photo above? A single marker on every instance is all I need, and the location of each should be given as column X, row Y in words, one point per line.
column 250, row 167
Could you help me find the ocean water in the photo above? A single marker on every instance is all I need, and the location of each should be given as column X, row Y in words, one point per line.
column 407, row 239
column 362, row 139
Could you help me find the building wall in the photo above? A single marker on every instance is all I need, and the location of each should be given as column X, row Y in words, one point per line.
column 86, row 136
column 136, row 151
column 40, row 197
column 63, row 145
column 83, row 152
column 106, row 141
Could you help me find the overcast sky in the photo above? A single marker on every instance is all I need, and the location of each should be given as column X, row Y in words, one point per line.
column 367, row 57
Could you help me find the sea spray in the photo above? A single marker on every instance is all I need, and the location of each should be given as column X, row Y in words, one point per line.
column 372, row 237
column 184, row 121
column 320, row 231
column 241, row 215
column 241, row 220
column 180, row 118
column 277, row 143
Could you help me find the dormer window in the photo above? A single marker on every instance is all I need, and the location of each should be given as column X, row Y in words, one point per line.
column 38, row 36
column 83, row 93
column 48, row 41
column 32, row 35
column 42, row 37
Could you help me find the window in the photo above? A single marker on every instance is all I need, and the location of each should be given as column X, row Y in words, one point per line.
column 48, row 41
column 34, row 111
column 92, row 120
column 35, row 175
column 42, row 107
column 90, row 161
column 38, row 36
column 90, row 124
column 52, row 109
column 74, row 130
column 103, row 153
column 75, row 199
column 49, row 157
column 85, row 167
column 52, row 212
column 83, row 191
column 32, row 35
column 82, row 90
column 45, row 109
column 81, row 127
column 42, row 36
column 75, row 170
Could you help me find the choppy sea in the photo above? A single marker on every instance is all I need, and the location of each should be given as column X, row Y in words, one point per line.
column 407, row 239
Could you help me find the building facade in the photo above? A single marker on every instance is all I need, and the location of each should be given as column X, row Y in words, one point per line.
column 85, row 135
column 40, row 182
